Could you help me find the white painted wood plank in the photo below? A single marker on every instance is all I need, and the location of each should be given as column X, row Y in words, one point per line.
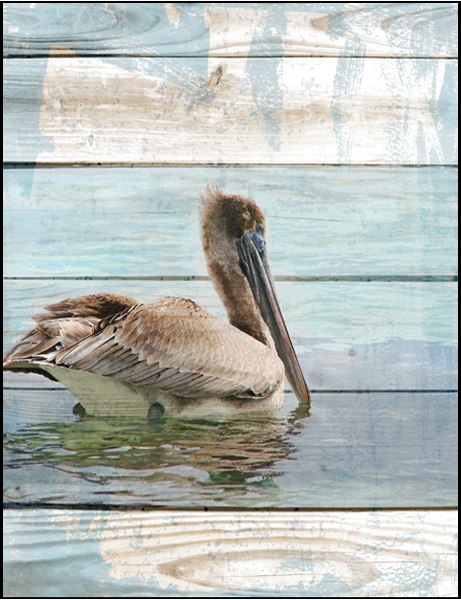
column 321, row 221
column 397, row 29
column 328, row 554
column 221, row 111
column 348, row 336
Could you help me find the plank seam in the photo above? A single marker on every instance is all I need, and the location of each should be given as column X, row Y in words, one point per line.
column 220, row 509
column 286, row 278
column 313, row 391
column 57, row 165
column 211, row 54
column 12, row 164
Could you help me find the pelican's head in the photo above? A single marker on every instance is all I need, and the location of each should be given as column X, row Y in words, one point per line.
column 233, row 230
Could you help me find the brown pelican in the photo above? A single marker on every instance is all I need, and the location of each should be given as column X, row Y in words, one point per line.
column 110, row 349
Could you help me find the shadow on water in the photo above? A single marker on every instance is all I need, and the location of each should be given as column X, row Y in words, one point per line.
column 161, row 461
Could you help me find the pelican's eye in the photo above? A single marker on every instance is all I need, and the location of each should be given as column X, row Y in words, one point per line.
column 257, row 236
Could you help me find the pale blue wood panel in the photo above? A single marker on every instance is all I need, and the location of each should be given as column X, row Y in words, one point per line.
column 321, row 221
column 126, row 110
column 348, row 335
column 156, row 554
column 262, row 29
column 352, row 450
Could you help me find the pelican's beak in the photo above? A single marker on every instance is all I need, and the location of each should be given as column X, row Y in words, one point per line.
column 252, row 253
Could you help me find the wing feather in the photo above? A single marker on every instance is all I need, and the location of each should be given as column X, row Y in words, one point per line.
column 66, row 323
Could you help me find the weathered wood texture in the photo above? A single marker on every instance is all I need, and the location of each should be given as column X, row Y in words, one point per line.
column 329, row 554
column 367, row 450
column 397, row 29
column 230, row 110
column 321, row 221
column 243, row 84
column 348, row 335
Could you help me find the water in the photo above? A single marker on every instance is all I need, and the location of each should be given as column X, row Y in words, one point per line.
column 352, row 449
column 165, row 462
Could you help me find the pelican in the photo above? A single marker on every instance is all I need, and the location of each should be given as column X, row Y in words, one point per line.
column 114, row 353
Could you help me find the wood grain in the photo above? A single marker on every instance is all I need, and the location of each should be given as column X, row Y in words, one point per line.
column 321, row 221
column 328, row 554
column 368, row 450
column 222, row 111
column 347, row 335
column 260, row 29
column 261, row 107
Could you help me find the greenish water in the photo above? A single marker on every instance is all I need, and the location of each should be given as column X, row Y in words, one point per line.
column 163, row 462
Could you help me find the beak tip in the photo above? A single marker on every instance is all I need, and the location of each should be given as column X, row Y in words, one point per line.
column 305, row 396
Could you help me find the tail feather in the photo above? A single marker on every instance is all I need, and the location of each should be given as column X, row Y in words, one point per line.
column 63, row 325
column 34, row 343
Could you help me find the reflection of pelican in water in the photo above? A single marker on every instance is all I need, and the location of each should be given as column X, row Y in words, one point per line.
column 174, row 460
column 115, row 354
column 236, row 448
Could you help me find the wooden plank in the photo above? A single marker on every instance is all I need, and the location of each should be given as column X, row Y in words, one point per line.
column 332, row 554
column 222, row 111
column 398, row 29
column 363, row 450
column 348, row 335
column 329, row 221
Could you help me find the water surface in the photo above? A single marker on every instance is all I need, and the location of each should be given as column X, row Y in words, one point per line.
column 351, row 450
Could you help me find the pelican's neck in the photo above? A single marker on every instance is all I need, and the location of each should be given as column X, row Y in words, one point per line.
column 235, row 292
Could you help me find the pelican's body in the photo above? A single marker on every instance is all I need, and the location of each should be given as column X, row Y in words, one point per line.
column 108, row 349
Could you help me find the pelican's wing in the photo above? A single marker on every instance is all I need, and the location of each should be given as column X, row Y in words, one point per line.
column 65, row 323
column 179, row 348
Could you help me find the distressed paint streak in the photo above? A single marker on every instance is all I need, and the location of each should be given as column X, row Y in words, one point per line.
column 266, row 89
column 347, row 83
column 57, row 50
column 173, row 13
column 230, row 32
